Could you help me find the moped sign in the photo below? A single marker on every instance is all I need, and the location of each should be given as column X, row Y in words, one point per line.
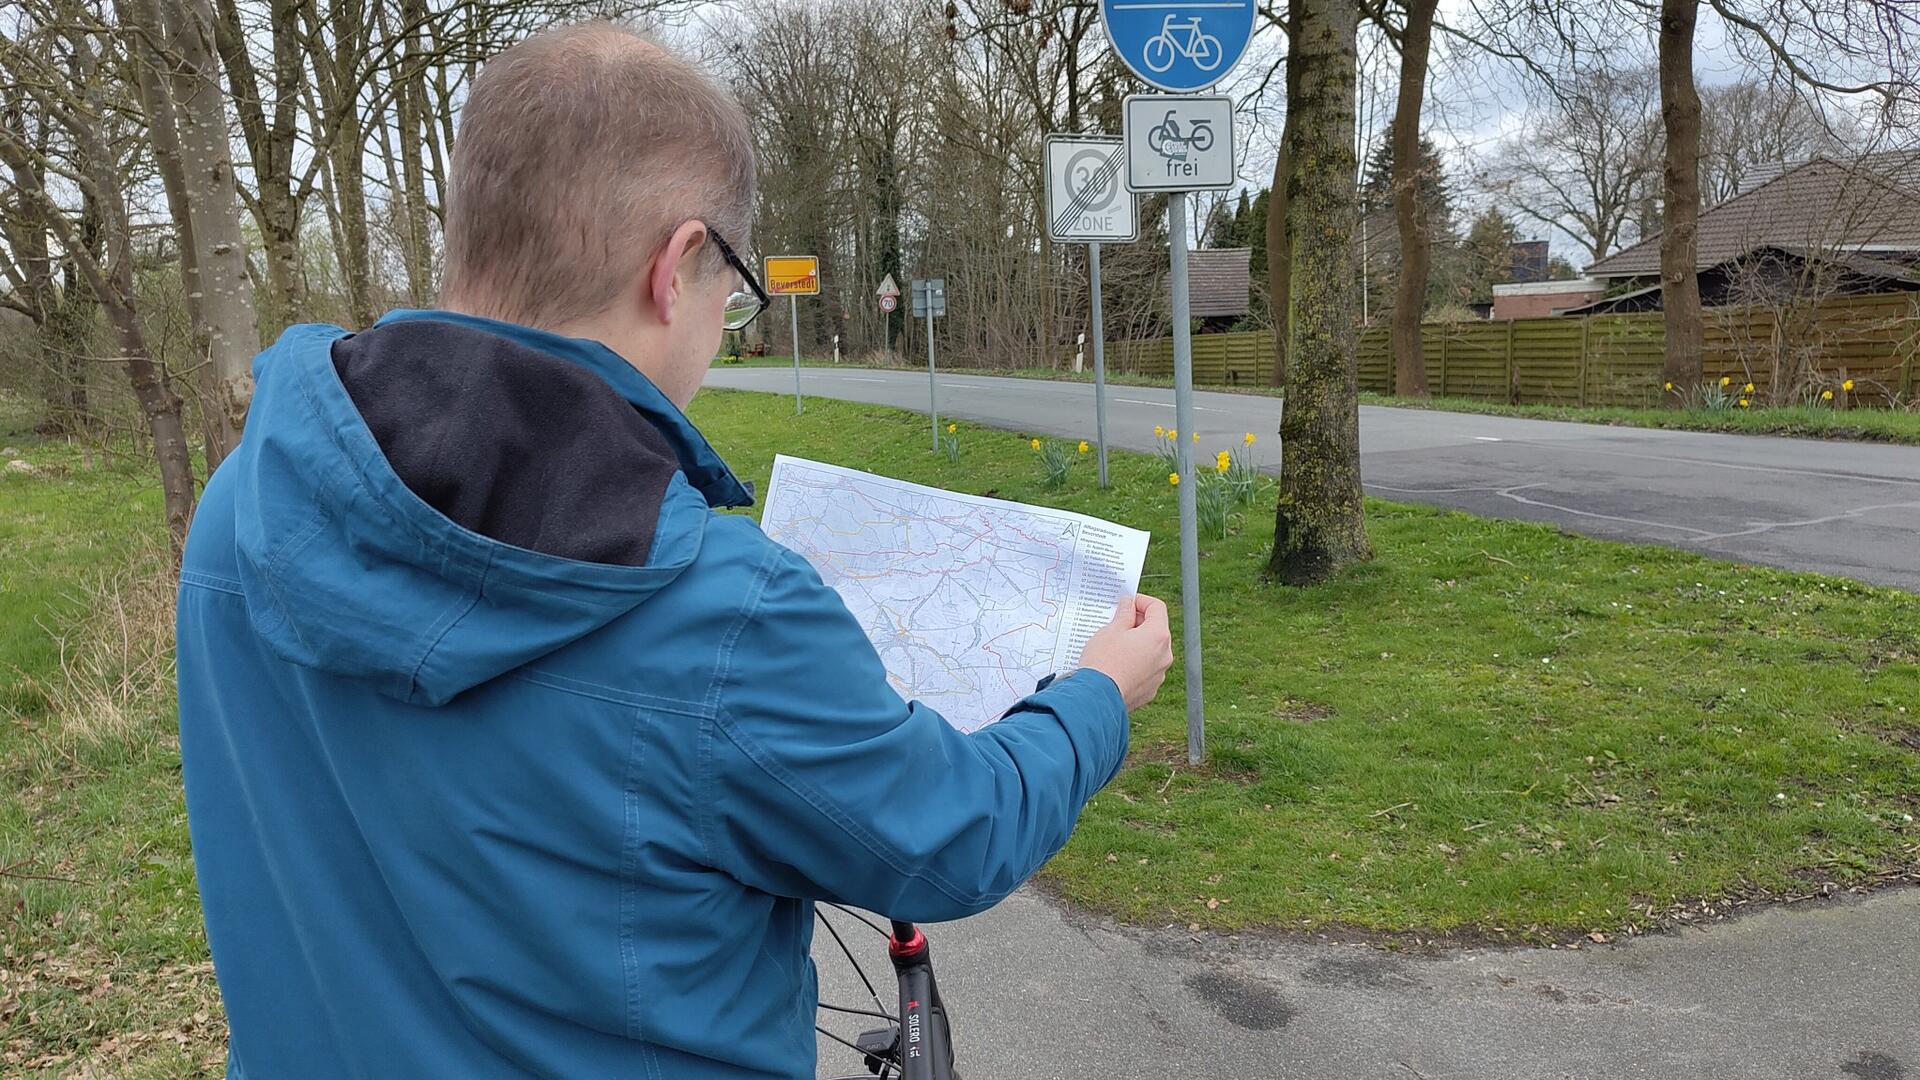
column 1178, row 142
column 1179, row 45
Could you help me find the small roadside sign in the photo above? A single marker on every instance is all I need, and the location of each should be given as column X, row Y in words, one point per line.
column 888, row 287
column 1086, row 202
column 793, row 275
column 929, row 297
column 1179, row 45
column 889, row 301
column 1178, row 142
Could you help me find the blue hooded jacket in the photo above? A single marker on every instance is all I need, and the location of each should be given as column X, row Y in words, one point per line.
column 506, row 755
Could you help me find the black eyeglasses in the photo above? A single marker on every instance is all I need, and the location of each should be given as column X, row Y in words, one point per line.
column 743, row 306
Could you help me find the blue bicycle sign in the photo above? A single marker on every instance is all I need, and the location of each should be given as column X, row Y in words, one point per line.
column 1179, row 45
column 1186, row 39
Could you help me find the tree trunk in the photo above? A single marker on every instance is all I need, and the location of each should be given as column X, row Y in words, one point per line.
column 349, row 190
column 270, row 141
column 1279, row 235
column 1409, row 210
column 1320, row 524
column 1679, row 283
column 180, row 90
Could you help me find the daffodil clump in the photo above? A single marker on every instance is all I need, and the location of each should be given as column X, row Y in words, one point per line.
column 1056, row 459
column 950, row 443
column 1230, row 481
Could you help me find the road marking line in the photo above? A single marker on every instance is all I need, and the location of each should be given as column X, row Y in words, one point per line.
column 1486, row 438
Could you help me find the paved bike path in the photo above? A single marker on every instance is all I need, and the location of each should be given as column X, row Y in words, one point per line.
column 1836, row 507
column 1820, row 990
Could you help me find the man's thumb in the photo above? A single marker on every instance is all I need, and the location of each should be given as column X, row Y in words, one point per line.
column 1126, row 614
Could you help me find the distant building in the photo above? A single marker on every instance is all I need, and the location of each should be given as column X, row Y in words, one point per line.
column 1533, row 299
column 1528, row 261
column 1219, row 286
column 1854, row 227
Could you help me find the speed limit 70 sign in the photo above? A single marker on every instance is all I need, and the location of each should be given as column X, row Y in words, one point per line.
column 888, row 302
column 1086, row 199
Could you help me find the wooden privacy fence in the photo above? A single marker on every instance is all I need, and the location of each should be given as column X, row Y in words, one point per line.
column 1605, row 359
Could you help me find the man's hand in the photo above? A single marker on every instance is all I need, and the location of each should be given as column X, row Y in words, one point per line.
column 1134, row 650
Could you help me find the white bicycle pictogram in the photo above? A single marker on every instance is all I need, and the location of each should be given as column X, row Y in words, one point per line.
column 1166, row 139
column 1186, row 40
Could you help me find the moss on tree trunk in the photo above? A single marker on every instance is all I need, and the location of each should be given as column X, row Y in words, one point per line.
column 1321, row 525
column 1680, row 114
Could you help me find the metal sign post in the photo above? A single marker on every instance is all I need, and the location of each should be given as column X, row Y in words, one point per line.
column 1099, row 360
column 794, row 303
column 1178, row 143
column 1189, row 496
column 1086, row 202
column 930, row 299
column 794, row 276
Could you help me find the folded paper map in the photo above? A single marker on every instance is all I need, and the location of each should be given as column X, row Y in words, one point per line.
column 969, row 600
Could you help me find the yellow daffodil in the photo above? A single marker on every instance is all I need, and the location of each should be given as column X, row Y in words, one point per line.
column 1173, row 433
column 1173, row 478
column 1847, row 386
column 1725, row 381
column 1747, row 389
column 1222, row 466
column 1826, row 395
column 1743, row 403
column 1669, row 388
column 1196, row 436
column 951, row 428
column 1159, row 432
column 1034, row 443
column 1083, row 446
column 1249, row 440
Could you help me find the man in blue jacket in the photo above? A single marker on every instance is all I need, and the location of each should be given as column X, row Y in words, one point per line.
column 505, row 754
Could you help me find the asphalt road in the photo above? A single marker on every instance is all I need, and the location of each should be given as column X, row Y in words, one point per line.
column 1836, row 507
column 1806, row 993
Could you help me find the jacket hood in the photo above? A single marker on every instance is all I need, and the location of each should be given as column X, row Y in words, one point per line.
column 444, row 498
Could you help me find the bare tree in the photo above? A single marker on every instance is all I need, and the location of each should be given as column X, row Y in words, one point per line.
column 1755, row 124
column 1416, row 232
column 64, row 55
column 170, row 47
column 1679, row 236
column 1320, row 524
column 1587, row 165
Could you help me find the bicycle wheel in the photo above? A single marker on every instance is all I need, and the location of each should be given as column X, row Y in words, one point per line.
column 1207, row 52
column 1159, row 54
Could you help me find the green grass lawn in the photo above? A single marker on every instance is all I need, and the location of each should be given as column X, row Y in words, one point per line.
column 103, row 961
column 1492, row 728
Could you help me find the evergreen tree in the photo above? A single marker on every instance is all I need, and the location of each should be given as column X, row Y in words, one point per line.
column 1487, row 255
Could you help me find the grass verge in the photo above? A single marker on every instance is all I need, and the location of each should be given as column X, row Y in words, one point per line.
column 1493, row 728
column 103, row 962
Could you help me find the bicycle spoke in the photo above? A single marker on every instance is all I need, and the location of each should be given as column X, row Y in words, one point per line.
column 857, row 1012
column 851, row 959
column 871, row 925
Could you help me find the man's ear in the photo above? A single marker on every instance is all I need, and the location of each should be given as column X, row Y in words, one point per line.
column 674, row 267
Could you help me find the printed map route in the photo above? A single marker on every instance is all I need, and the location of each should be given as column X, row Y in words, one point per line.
column 969, row 601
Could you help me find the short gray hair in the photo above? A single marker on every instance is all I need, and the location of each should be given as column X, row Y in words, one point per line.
column 580, row 150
